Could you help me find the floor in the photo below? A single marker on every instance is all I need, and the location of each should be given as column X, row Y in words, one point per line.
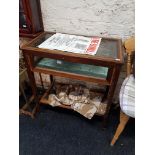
column 56, row 131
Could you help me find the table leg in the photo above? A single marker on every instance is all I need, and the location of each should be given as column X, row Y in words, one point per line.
column 110, row 93
column 33, row 86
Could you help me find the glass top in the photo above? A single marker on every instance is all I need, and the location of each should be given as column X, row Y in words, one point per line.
column 108, row 47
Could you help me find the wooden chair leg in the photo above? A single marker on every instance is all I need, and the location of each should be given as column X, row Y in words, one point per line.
column 123, row 121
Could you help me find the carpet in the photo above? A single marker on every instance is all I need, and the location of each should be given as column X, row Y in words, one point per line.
column 56, row 131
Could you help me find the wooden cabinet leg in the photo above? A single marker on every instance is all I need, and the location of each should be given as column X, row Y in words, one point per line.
column 33, row 86
column 35, row 109
column 114, row 74
column 123, row 121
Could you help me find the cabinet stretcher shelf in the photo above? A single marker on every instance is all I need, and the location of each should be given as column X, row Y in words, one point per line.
column 44, row 100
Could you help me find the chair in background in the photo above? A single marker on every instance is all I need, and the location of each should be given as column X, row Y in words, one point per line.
column 127, row 92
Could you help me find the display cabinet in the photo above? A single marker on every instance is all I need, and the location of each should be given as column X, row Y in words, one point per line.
column 30, row 18
column 102, row 68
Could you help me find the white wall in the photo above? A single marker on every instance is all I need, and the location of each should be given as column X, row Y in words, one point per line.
column 89, row 17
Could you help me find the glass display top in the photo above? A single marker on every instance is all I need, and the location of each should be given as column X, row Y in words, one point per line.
column 108, row 47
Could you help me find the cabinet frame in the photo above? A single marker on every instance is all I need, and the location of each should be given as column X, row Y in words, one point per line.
column 114, row 66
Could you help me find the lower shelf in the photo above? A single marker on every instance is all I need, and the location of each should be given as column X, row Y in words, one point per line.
column 44, row 100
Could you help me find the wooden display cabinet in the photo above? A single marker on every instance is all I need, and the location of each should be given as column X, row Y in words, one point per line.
column 102, row 68
column 30, row 18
